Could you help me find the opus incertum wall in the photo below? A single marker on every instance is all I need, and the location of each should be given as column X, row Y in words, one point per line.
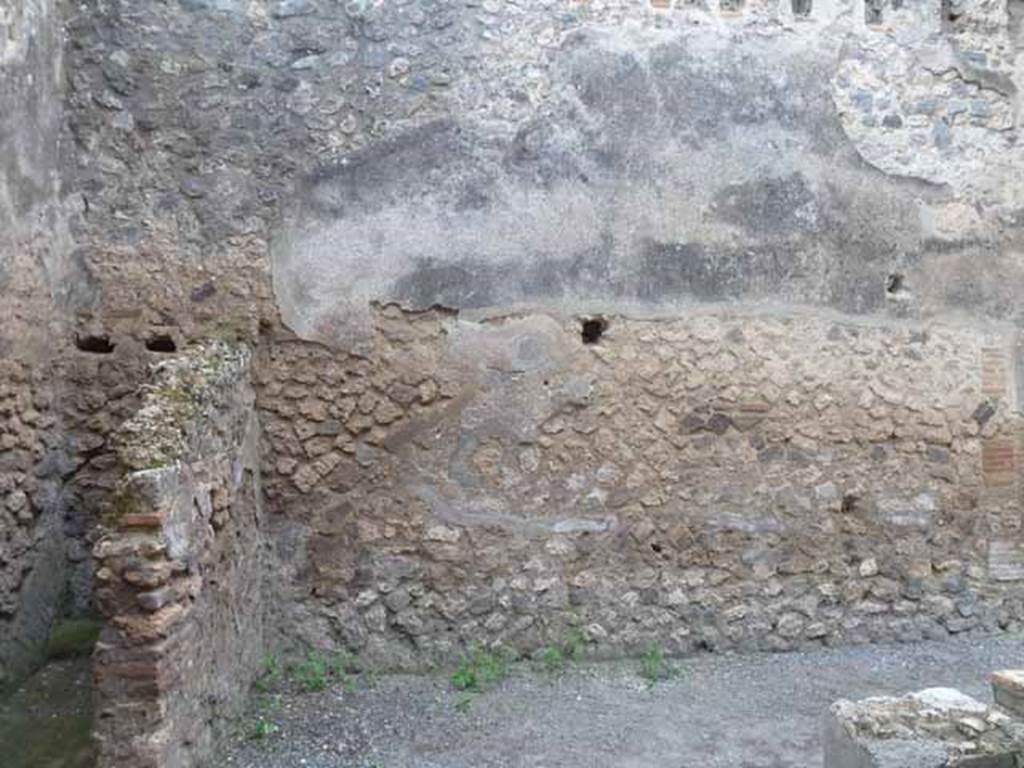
column 676, row 322
column 685, row 322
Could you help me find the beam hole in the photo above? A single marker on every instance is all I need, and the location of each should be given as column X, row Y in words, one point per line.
column 161, row 343
column 96, row 344
column 592, row 329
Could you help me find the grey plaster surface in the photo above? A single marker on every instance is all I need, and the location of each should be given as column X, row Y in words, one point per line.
column 667, row 168
column 667, row 171
column 719, row 711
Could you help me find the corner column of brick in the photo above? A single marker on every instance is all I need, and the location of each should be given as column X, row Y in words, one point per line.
column 141, row 590
column 181, row 549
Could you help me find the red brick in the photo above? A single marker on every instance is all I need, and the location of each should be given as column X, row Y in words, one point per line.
column 142, row 521
column 993, row 372
column 999, row 462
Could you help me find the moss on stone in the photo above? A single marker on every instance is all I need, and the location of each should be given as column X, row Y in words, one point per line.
column 73, row 638
column 176, row 395
column 123, row 501
column 183, row 391
column 229, row 330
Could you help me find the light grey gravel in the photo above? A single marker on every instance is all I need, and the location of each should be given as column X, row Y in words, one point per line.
column 757, row 711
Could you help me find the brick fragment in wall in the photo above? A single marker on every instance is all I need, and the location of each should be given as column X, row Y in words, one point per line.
column 994, row 373
column 999, row 461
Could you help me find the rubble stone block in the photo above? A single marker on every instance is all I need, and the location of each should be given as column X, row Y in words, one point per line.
column 1008, row 690
column 934, row 728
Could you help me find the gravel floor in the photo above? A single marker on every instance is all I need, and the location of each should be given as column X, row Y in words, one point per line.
column 758, row 711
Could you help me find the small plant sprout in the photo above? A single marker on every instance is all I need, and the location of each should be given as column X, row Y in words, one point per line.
column 575, row 644
column 481, row 670
column 264, row 729
column 653, row 666
column 270, row 675
column 311, row 672
column 554, row 660
column 317, row 670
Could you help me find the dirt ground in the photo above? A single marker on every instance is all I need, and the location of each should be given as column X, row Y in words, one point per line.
column 716, row 711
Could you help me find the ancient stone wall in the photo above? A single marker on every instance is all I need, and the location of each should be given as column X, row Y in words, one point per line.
column 607, row 157
column 680, row 321
column 180, row 565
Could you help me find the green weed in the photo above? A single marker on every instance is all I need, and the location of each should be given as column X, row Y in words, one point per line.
column 575, row 644
column 553, row 660
column 316, row 671
column 270, row 675
column 311, row 673
column 465, row 678
column 653, row 666
column 481, row 670
column 344, row 663
column 264, row 729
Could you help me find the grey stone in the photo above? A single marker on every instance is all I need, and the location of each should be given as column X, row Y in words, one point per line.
column 16, row 501
column 287, row 9
column 983, row 413
column 942, row 137
column 922, row 730
column 193, row 187
column 157, row 598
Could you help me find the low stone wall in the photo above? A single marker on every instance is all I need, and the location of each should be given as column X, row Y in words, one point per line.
column 179, row 566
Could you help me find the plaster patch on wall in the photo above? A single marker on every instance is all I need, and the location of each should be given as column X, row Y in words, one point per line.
column 646, row 185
